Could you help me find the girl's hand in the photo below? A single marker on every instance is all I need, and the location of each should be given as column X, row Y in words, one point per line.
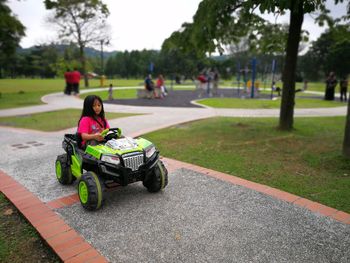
column 99, row 137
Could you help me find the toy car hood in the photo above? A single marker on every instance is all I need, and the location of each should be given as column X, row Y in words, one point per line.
column 119, row 146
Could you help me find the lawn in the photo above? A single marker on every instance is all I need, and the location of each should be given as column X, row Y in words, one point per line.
column 47, row 121
column 19, row 241
column 306, row 162
column 266, row 104
column 312, row 86
column 25, row 92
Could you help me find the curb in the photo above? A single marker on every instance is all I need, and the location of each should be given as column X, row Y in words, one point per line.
column 66, row 242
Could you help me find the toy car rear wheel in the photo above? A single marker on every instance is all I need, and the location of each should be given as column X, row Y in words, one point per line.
column 90, row 191
column 63, row 172
column 157, row 179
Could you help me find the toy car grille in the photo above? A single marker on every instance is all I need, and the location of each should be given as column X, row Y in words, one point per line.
column 133, row 162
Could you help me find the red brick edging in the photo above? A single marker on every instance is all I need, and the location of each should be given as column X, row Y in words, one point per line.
column 64, row 240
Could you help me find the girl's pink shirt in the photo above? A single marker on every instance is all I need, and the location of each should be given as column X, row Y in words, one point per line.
column 90, row 126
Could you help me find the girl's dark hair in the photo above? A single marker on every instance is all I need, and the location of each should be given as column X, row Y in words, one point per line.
column 88, row 110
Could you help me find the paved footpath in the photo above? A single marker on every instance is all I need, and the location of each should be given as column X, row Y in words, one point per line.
column 201, row 216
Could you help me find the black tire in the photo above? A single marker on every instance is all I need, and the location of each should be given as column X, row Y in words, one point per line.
column 63, row 171
column 91, row 191
column 157, row 179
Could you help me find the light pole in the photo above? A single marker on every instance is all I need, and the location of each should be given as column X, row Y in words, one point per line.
column 102, row 62
column 101, row 41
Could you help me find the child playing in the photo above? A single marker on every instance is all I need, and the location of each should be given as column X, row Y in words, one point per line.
column 110, row 92
column 92, row 121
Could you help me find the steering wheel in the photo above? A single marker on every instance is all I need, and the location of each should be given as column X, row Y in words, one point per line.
column 113, row 133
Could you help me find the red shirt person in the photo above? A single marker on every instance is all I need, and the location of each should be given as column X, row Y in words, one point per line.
column 75, row 77
column 69, row 83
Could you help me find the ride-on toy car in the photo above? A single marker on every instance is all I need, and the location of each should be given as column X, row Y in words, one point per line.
column 118, row 160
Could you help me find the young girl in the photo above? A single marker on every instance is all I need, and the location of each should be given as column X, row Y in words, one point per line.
column 92, row 121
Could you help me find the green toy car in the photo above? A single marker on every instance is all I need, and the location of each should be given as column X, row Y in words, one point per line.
column 118, row 160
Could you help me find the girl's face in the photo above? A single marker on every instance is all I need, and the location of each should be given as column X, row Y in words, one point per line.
column 97, row 107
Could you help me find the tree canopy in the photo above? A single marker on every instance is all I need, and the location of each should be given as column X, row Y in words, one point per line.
column 11, row 32
column 80, row 21
column 220, row 22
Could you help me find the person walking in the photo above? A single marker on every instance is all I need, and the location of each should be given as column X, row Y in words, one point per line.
column 215, row 82
column 160, row 87
column 209, row 82
column 343, row 89
column 149, row 86
column 331, row 83
column 75, row 81
column 202, row 79
column 110, row 92
column 68, row 79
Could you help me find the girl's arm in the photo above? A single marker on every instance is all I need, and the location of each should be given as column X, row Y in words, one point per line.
column 107, row 124
column 88, row 137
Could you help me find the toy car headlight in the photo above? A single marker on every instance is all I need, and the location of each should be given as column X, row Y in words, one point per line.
column 150, row 151
column 110, row 159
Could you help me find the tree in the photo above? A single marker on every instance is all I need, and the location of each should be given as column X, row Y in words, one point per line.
column 217, row 23
column 330, row 48
column 346, row 141
column 80, row 21
column 11, row 32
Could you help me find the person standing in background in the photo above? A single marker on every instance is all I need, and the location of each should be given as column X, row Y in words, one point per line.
column 149, row 86
column 215, row 82
column 159, row 90
column 331, row 83
column 68, row 79
column 75, row 81
column 343, row 89
column 110, row 92
column 305, row 85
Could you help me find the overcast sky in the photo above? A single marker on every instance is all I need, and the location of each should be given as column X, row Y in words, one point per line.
column 135, row 24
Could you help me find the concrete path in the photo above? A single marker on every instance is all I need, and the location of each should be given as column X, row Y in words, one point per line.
column 202, row 216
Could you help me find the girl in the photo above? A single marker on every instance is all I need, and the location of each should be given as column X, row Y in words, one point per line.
column 92, row 121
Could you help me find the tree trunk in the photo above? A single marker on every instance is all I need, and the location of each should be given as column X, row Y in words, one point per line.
column 83, row 64
column 346, row 142
column 288, row 77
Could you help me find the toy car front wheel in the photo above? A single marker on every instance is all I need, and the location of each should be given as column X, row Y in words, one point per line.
column 63, row 172
column 90, row 191
column 157, row 179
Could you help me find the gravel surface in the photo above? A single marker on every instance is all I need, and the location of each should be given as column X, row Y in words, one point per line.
column 30, row 159
column 201, row 219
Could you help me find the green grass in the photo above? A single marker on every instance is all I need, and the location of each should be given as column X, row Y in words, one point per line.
column 52, row 121
column 26, row 92
column 306, row 162
column 312, row 86
column 19, row 241
column 266, row 104
column 21, row 99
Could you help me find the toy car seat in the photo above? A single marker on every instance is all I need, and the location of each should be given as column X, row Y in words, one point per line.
column 79, row 140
